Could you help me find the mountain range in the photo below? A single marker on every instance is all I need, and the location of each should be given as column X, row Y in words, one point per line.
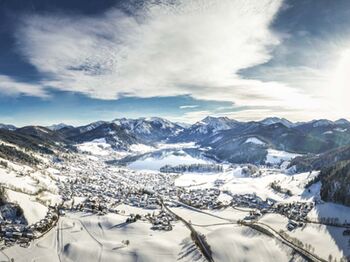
column 320, row 144
column 221, row 135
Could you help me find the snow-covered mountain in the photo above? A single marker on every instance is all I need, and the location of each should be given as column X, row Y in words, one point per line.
column 314, row 136
column 322, row 122
column 7, row 127
column 214, row 124
column 109, row 133
column 91, row 126
column 274, row 120
column 342, row 121
column 207, row 127
column 150, row 129
column 57, row 127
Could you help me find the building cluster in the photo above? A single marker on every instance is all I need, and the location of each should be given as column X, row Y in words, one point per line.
column 13, row 233
column 253, row 201
column 253, row 215
column 198, row 168
column 201, row 198
column 104, row 188
column 48, row 221
column 161, row 221
column 293, row 225
column 296, row 211
column 16, row 234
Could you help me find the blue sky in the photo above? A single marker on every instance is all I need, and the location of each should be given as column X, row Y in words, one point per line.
column 82, row 61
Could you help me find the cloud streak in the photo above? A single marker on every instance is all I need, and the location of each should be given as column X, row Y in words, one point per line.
column 188, row 106
column 11, row 87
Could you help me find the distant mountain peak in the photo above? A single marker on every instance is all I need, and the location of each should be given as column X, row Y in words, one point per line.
column 57, row 127
column 7, row 127
column 342, row 121
column 275, row 120
column 150, row 128
column 321, row 122
column 210, row 119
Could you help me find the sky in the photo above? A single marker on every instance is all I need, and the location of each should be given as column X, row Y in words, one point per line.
column 86, row 60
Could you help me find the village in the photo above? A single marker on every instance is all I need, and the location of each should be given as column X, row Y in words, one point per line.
column 98, row 188
column 12, row 232
column 105, row 188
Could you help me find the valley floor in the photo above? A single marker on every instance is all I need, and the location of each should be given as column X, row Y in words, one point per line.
column 82, row 234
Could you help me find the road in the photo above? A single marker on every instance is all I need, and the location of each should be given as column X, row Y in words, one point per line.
column 263, row 228
column 197, row 238
column 267, row 230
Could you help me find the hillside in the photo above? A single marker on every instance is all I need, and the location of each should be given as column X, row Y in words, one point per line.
column 111, row 133
column 336, row 183
column 317, row 162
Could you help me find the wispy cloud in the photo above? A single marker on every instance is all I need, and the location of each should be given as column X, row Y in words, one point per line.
column 179, row 47
column 191, row 117
column 11, row 87
column 170, row 48
column 188, row 106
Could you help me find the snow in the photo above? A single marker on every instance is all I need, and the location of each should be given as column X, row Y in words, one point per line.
column 41, row 129
column 237, row 183
column 330, row 210
column 276, row 156
column 234, row 243
column 33, row 211
column 326, row 240
column 141, row 148
column 57, row 127
column 93, row 238
column 322, row 122
column 23, row 183
column 274, row 120
column 146, row 125
column 176, row 145
column 91, row 126
column 7, row 127
column 342, row 121
column 231, row 242
column 88, row 237
column 255, row 140
column 342, row 130
column 213, row 124
column 96, row 147
column 153, row 163
column 44, row 181
column 53, row 171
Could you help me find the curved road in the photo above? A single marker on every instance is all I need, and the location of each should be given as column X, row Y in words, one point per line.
column 198, row 239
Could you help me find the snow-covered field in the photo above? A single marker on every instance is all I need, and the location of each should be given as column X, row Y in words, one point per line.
column 276, row 157
column 234, row 181
column 324, row 239
column 83, row 236
column 33, row 211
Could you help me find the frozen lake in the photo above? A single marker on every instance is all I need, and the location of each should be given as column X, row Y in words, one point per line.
column 174, row 158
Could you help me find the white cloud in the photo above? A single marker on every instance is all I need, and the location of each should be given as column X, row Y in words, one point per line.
column 191, row 117
column 12, row 87
column 189, row 47
column 188, row 106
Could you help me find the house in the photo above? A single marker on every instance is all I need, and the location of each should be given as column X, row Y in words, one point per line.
column 291, row 225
